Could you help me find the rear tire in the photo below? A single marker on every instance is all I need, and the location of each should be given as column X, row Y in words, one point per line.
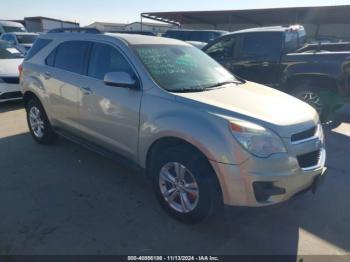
column 38, row 123
column 185, row 184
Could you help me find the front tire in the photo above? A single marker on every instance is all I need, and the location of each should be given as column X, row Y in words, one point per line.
column 185, row 185
column 320, row 100
column 38, row 123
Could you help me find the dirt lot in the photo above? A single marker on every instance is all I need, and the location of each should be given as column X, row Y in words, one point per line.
column 64, row 199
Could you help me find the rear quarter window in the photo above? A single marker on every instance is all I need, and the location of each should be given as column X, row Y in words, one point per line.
column 38, row 45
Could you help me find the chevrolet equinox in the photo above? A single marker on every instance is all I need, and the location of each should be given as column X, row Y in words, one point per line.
column 204, row 137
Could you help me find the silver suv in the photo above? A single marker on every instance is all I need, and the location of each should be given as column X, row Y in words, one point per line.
column 205, row 137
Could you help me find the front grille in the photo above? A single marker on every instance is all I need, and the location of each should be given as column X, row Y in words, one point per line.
column 10, row 80
column 309, row 159
column 304, row 135
column 11, row 95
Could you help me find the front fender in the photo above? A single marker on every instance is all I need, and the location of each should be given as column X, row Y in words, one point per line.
column 207, row 132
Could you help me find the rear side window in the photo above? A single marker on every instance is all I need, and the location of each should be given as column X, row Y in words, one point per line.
column 71, row 56
column 37, row 46
column 105, row 59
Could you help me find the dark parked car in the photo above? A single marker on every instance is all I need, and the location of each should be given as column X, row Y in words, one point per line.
column 279, row 57
column 204, row 36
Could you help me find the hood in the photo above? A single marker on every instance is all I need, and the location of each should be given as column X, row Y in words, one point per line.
column 271, row 108
column 9, row 67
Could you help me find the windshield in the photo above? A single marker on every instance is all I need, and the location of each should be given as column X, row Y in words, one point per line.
column 26, row 39
column 10, row 29
column 7, row 51
column 179, row 68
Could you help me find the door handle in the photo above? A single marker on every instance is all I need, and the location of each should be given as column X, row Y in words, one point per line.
column 47, row 75
column 86, row 90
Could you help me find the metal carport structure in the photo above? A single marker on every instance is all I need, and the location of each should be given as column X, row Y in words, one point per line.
column 257, row 17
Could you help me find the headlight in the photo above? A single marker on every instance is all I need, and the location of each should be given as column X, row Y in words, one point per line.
column 256, row 139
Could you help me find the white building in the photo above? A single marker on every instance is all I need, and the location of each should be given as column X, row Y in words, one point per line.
column 108, row 27
column 44, row 24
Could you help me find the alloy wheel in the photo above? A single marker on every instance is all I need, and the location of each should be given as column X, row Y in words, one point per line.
column 179, row 187
column 36, row 123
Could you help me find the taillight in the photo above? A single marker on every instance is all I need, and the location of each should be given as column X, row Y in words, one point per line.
column 20, row 69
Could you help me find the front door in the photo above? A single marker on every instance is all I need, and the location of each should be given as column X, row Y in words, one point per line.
column 109, row 115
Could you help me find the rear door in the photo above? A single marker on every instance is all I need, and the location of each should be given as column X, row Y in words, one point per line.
column 63, row 79
column 109, row 115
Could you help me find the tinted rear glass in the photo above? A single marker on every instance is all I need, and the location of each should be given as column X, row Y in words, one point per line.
column 10, row 29
column 181, row 35
column 71, row 56
column 38, row 45
column 26, row 39
column 7, row 51
column 203, row 36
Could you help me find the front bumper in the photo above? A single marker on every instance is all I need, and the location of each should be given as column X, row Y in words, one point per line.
column 10, row 92
column 263, row 182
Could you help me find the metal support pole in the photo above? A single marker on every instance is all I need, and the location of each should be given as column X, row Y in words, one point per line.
column 141, row 23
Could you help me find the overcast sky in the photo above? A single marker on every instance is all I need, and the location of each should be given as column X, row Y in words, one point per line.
column 88, row 11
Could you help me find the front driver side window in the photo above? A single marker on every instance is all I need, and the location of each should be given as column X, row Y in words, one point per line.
column 105, row 59
column 223, row 48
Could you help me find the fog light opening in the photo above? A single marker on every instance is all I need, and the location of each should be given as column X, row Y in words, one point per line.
column 264, row 190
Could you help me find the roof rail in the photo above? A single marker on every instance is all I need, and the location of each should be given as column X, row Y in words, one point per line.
column 85, row 30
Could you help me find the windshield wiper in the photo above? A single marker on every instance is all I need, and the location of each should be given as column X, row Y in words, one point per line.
column 204, row 88
column 187, row 90
column 222, row 83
